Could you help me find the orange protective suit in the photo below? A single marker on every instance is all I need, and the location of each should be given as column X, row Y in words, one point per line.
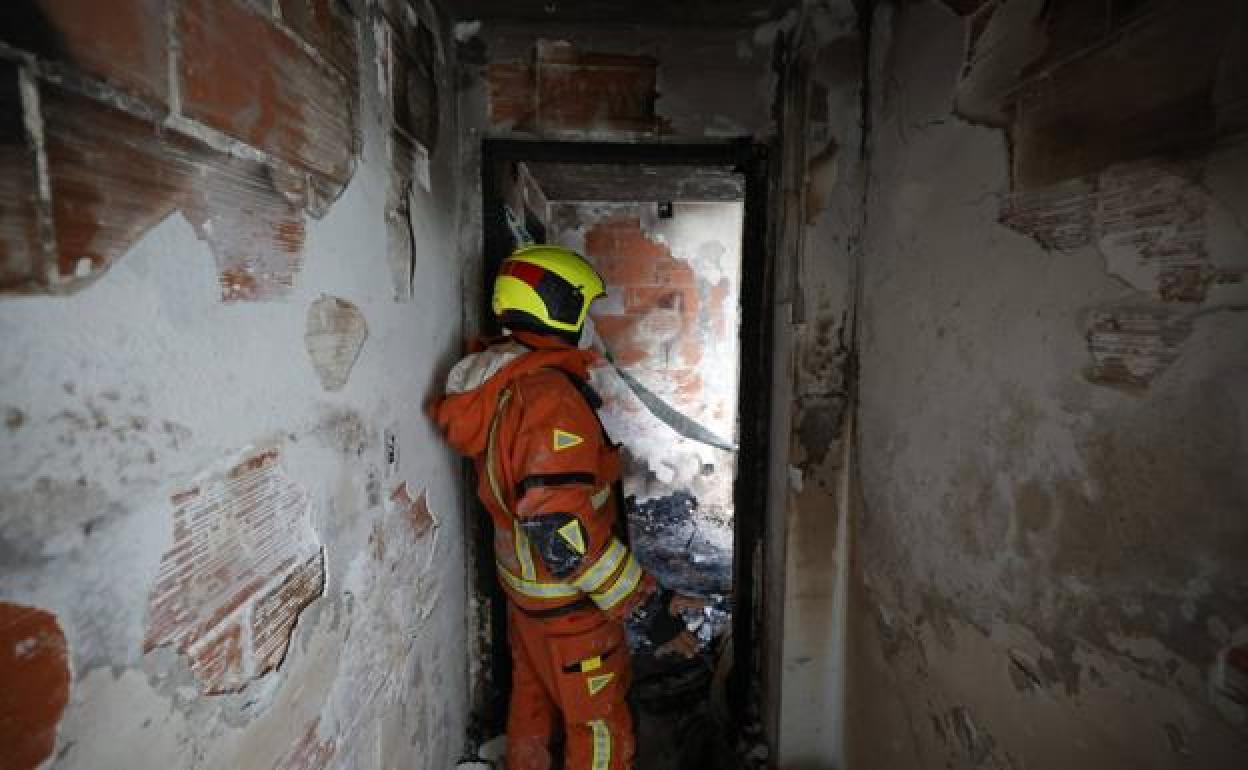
column 546, row 469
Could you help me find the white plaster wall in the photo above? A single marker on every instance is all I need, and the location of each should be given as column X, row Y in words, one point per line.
column 85, row 512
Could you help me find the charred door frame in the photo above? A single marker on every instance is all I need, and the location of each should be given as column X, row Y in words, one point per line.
column 750, row 489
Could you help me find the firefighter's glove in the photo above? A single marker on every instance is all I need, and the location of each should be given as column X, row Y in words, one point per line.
column 663, row 627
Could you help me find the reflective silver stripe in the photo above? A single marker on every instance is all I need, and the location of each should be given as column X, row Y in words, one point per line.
column 600, row 497
column 602, row 745
column 534, row 589
column 593, row 578
column 622, row 587
column 524, row 554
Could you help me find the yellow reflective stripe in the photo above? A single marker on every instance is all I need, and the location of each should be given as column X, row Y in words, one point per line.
column 600, row 497
column 489, row 454
column 602, row 745
column 524, row 554
column 623, row 586
column 593, row 578
column 534, row 589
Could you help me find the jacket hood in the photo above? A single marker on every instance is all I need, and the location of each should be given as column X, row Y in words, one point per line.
column 476, row 382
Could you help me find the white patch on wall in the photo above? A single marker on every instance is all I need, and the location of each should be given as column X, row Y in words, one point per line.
column 335, row 334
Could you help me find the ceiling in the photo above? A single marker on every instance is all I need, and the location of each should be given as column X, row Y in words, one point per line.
column 702, row 13
column 637, row 184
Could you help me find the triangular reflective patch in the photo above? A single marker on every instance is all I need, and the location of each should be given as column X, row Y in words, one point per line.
column 596, row 683
column 565, row 440
column 572, row 533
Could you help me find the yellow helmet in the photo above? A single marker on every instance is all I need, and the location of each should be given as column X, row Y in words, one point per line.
column 546, row 289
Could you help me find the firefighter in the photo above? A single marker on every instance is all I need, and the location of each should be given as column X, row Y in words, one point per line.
column 522, row 408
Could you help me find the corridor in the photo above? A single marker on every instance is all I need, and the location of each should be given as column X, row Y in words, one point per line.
column 924, row 342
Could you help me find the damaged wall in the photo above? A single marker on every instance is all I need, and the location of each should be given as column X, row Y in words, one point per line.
column 1049, row 558
column 228, row 533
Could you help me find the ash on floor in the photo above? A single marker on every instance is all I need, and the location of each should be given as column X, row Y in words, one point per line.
column 687, row 547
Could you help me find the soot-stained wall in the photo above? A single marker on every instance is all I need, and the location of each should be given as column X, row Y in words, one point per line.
column 1049, row 557
column 229, row 537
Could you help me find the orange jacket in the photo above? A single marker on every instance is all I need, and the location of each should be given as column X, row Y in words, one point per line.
column 545, row 471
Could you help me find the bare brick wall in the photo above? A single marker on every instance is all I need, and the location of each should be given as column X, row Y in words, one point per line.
column 243, row 115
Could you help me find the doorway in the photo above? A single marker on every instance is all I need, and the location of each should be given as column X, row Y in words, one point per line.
column 679, row 234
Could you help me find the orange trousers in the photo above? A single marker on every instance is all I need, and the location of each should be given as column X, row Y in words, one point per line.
column 574, row 669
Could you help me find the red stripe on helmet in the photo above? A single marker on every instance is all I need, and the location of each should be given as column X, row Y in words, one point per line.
column 529, row 273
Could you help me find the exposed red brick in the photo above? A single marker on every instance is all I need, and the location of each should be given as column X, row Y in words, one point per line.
column 255, row 231
column 238, row 284
column 595, row 91
column 513, row 91
column 1059, row 217
column 322, row 25
column 220, row 659
column 274, row 615
column 123, row 42
column 1150, row 214
column 244, row 557
column 682, row 300
column 34, row 668
column 1131, row 346
column 242, row 75
column 568, row 90
column 618, row 332
column 621, row 270
column 663, row 315
column 674, row 273
column 114, row 176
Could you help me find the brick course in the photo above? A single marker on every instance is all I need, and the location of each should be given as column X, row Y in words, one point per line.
column 243, row 76
column 243, row 564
